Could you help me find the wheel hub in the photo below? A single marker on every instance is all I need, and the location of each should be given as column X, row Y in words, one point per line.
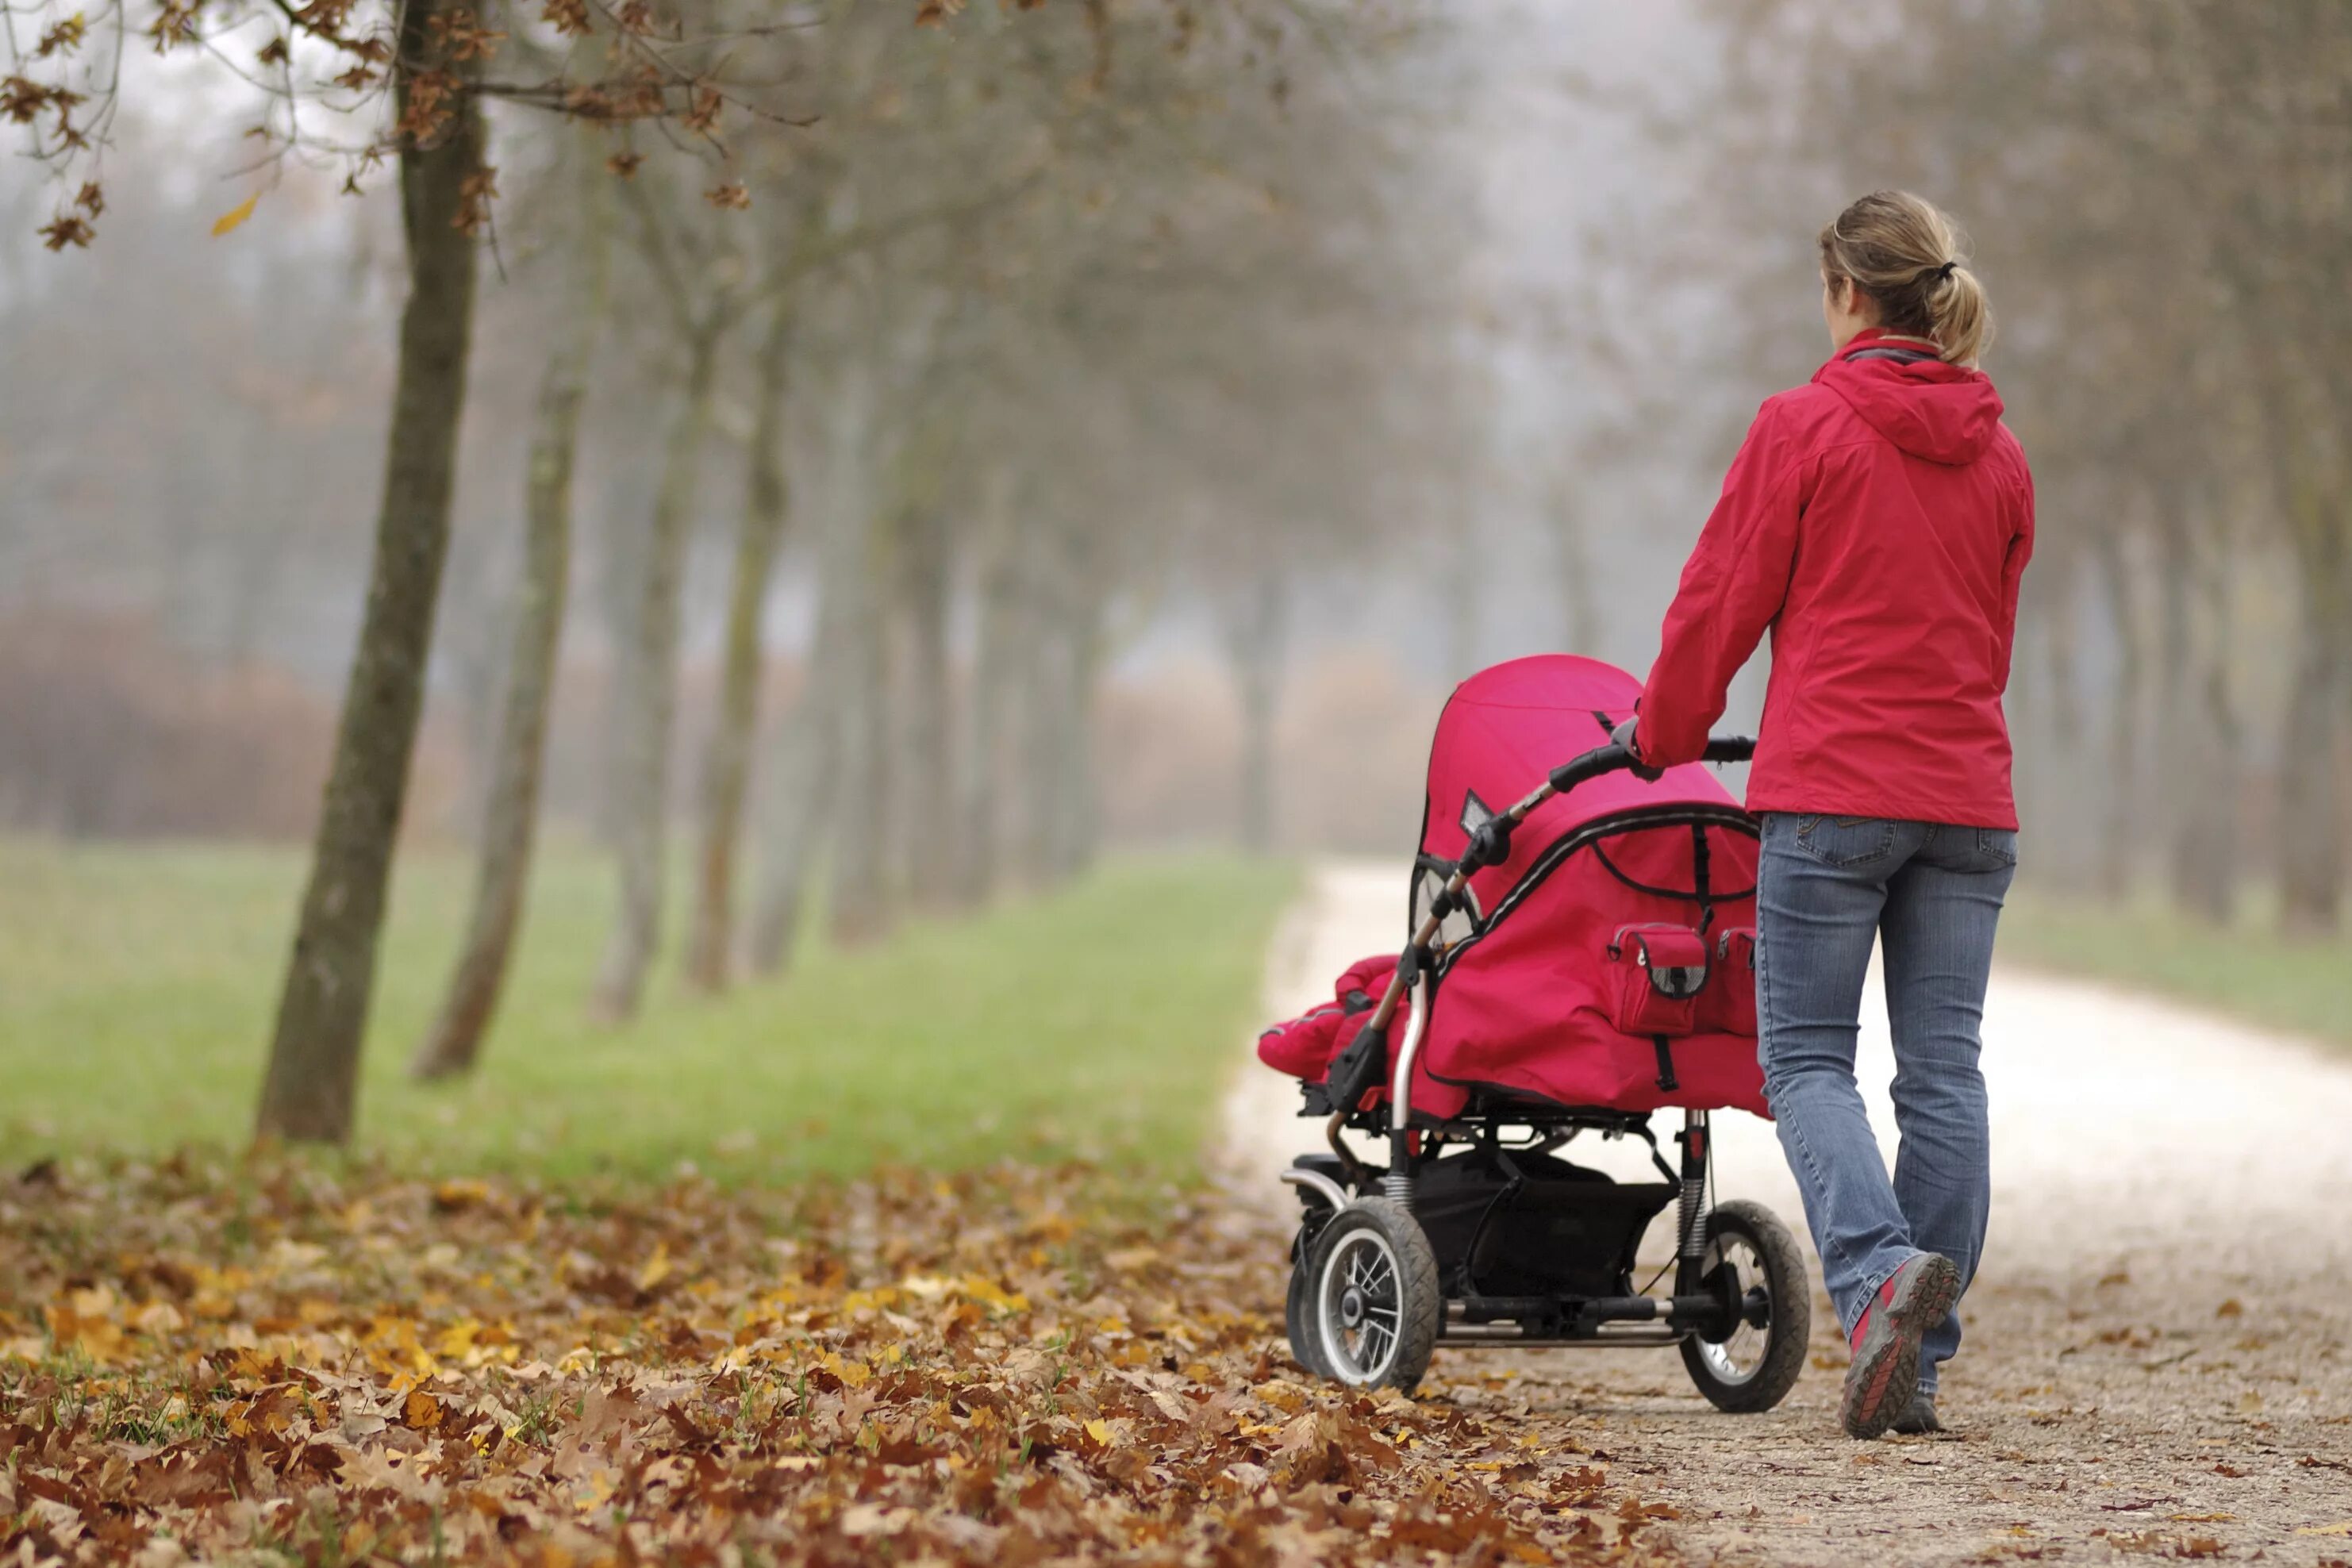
column 1359, row 1311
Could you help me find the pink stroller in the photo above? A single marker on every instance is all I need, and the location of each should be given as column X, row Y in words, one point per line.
column 1582, row 956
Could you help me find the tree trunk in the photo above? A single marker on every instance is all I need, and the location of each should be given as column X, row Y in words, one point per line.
column 310, row 1090
column 924, row 832
column 805, row 814
column 647, row 689
column 2201, row 750
column 2298, row 396
column 2205, row 877
column 1059, row 631
column 2178, row 745
column 1036, row 747
column 510, row 817
column 726, row 763
column 2066, row 767
column 1579, row 605
column 2120, row 825
column 863, row 903
column 2310, row 830
column 1465, row 602
column 1256, row 624
column 1078, row 819
column 807, row 757
column 980, row 807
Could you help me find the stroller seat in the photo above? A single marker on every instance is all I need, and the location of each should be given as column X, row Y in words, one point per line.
column 1543, row 989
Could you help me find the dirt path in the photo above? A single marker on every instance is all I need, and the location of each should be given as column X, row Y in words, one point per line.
column 2159, row 1353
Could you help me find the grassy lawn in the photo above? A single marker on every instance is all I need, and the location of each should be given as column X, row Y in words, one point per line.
column 2250, row 971
column 137, row 984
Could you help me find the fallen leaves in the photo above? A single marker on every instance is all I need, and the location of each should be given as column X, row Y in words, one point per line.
column 981, row 1368
column 235, row 217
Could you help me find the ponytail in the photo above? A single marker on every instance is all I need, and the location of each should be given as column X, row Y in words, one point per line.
column 1912, row 260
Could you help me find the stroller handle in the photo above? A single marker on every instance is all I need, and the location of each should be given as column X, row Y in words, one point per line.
column 1611, row 757
column 1491, row 845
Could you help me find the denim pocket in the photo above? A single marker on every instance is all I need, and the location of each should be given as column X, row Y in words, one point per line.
column 1997, row 846
column 1845, row 840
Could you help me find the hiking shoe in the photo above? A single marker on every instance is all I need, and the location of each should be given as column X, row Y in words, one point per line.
column 1920, row 1419
column 1885, row 1377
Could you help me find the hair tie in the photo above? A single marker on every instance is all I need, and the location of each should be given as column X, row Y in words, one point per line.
column 1943, row 273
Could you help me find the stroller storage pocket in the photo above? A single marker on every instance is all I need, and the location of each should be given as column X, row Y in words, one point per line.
column 1727, row 1005
column 1657, row 972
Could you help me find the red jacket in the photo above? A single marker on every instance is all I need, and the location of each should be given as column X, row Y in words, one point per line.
column 1878, row 519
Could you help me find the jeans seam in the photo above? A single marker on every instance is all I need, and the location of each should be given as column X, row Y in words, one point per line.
column 1812, row 1164
column 1821, row 1187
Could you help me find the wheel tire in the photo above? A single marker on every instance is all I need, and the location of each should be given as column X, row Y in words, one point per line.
column 1297, row 1317
column 1375, row 1278
column 1763, row 1378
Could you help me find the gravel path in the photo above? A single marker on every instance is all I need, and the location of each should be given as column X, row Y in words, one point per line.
column 2159, row 1351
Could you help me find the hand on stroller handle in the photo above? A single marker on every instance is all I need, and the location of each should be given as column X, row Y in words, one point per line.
column 1491, row 845
column 1611, row 757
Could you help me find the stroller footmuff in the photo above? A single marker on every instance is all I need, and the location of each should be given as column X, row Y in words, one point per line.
column 1580, row 956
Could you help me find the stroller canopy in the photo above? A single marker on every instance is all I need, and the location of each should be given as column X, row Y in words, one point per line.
column 1505, row 727
column 1527, row 996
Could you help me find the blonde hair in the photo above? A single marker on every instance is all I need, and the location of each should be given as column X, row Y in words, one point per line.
column 1911, row 258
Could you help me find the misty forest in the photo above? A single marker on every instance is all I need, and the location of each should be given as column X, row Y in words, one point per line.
column 675, row 676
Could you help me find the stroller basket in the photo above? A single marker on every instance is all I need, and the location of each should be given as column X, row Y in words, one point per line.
column 1533, row 1225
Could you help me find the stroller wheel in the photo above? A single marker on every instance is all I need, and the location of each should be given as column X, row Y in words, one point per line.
column 1298, row 1317
column 1755, row 1359
column 1374, row 1305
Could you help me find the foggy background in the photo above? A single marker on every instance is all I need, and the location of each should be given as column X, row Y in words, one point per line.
column 1424, row 346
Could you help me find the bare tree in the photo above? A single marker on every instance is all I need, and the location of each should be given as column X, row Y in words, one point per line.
column 727, row 760
column 427, row 57
column 699, row 289
column 1255, row 623
column 511, row 815
column 311, row 1088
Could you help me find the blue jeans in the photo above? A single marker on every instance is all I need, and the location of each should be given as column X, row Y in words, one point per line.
column 1931, row 894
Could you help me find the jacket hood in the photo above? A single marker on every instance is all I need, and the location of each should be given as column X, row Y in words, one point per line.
column 1944, row 413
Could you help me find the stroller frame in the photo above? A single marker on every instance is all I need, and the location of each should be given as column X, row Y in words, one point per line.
column 1378, row 1269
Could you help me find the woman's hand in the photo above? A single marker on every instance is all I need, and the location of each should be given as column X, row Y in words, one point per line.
column 1623, row 735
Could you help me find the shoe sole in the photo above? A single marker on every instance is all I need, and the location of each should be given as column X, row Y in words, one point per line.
column 1890, row 1358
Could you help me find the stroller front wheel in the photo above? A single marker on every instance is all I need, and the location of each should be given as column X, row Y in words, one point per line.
column 1374, row 1306
column 1298, row 1302
column 1753, row 1260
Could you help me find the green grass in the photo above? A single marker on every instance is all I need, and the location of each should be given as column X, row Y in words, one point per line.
column 2302, row 984
column 137, row 985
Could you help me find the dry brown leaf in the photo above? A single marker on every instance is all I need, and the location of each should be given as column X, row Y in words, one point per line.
column 309, row 1365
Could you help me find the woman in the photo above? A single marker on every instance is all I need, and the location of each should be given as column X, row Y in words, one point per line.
column 1877, row 519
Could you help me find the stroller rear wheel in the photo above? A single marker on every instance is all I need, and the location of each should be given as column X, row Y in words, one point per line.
column 1374, row 1305
column 1753, row 1262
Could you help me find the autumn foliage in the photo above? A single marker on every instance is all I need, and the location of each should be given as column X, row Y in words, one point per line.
column 205, row 1361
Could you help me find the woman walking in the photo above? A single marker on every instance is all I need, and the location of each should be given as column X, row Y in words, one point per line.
column 1877, row 519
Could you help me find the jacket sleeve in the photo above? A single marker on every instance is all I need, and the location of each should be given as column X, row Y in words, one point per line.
column 1732, row 588
column 2012, row 574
